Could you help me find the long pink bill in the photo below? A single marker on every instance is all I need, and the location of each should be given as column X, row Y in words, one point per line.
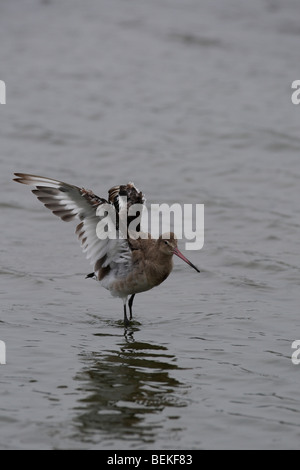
column 180, row 255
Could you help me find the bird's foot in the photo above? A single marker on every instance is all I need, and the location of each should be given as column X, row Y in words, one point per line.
column 91, row 275
column 127, row 323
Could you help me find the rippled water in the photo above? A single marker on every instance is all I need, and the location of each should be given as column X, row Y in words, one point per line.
column 192, row 101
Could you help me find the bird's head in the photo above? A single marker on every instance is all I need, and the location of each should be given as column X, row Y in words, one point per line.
column 167, row 244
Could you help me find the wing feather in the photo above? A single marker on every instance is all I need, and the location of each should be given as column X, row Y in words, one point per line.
column 124, row 196
column 70, row 202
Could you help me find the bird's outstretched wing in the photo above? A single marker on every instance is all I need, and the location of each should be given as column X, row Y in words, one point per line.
column 123, row 197
column 71, row 202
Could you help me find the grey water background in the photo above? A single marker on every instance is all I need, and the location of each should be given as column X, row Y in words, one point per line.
column 191, row 100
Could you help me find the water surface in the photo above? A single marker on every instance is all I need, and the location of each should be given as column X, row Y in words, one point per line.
column 192, row 101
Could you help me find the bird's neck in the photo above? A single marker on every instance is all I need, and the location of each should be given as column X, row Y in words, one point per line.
column 159, row 268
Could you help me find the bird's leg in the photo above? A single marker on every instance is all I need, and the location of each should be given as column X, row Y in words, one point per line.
column 130, row 305
column 126, row 321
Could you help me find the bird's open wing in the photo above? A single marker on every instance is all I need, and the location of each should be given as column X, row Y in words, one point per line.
column 123, row 197
column 71, row 202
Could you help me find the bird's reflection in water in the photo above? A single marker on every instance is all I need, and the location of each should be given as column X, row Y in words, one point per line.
column 127, row 389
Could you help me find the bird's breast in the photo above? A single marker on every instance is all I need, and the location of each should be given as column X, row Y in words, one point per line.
column 143, row 277
column 158, row 272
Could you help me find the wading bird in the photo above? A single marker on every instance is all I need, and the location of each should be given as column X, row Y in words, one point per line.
column 125, row 265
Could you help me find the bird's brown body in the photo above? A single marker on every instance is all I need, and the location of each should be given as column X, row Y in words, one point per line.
column 150, row 266
column 125, row 266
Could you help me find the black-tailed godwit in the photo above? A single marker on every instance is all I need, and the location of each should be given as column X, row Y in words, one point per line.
column 125, row 266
